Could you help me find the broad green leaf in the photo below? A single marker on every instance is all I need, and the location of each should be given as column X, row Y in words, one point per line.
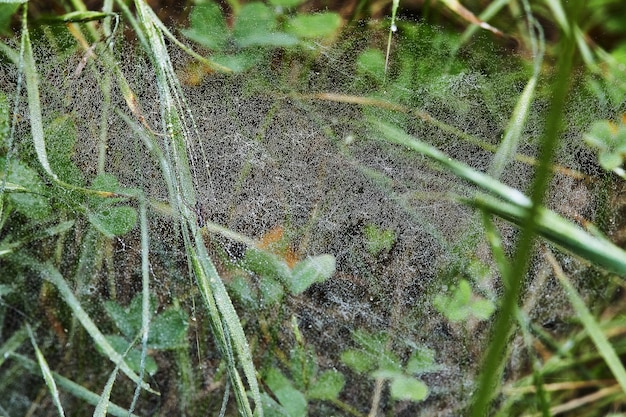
column 242, row 290
column 408, row 388
column 266, row 265
column 207, row 26
column 292, row 400
column 422, row 360
column 29, row 202
column 462, row 304
column 358, row 360
column 312, row 26
column 114, row 221
column 254, row 23
column 610, row 141
column 168, row 329
column 328, row 386
column 302, row 365
column 133, row 357
column 483, row 309
column 105, row 182
column 310, row 271
column 240, row 62
column 61, row 140
column 127, row 320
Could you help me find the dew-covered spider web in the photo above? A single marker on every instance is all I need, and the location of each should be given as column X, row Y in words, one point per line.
column 286, row 159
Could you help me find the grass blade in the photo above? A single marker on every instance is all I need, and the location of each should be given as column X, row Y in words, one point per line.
column 50, row 273
column 176, row 122
column 484, row 181
column 11, row 345
column 47, row 374
column 103, row 404
column 73, row 388
column 589, row 322
column 34, row 102
column 510, row 143
column 560, row 231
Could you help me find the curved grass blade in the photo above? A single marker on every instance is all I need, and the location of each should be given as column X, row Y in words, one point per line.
column 34, row 108
column 560, row 231
column 484, row 181
column 510, row 143
column 591, row 326
column 47, row 374
column 515, row 206
column 51, row 274
column 73, row 388
column 176, row 122
column 103, row 405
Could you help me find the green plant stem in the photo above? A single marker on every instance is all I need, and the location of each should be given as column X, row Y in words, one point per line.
column 347, row 408
column 495, row 358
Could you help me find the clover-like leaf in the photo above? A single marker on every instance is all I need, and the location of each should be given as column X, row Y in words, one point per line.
column 313, row 26
column 28, row 198
column 327, row 386
column 207, row 26
column 292, row 400
column 408, row 388
column 610, row 141
column 462, row 304
column 114, row 221
column 133, row 357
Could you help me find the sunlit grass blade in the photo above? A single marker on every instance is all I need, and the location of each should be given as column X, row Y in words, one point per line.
column 510, row 142
column 484, row 181
column 589, row 322
column 72, row 387
column 468, row 16
column 560, row 231
column 78, row 16
column 515, row 206
column 47, row 374
column 492, row 9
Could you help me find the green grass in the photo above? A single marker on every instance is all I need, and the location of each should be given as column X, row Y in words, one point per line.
column 259, row 217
